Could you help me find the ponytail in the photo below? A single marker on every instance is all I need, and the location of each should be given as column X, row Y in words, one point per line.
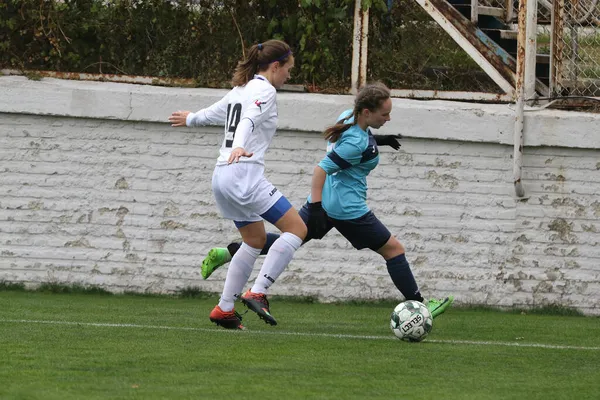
column 260, row 56
column 371, row 97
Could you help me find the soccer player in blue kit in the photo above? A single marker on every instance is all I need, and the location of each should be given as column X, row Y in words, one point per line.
column 339, row 192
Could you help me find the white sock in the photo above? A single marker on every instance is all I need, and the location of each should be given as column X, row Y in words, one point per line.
column 279, row 256
column 238, row 274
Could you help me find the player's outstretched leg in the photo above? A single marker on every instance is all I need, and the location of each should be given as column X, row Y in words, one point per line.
column 258, row 303
column 219, row 256
column 216, row 257
column 438, row 307
column 226, row 319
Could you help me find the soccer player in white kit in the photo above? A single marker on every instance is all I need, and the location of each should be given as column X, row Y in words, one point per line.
column 242, row 193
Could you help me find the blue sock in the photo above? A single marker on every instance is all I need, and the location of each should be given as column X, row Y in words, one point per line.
column 271, row 238
column 403, row 278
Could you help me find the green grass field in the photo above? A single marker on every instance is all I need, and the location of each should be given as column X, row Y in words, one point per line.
column 94, row 346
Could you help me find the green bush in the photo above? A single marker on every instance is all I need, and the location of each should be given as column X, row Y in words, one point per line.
column 204, row 39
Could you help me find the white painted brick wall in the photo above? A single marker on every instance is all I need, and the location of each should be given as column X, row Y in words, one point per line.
column 126, row 205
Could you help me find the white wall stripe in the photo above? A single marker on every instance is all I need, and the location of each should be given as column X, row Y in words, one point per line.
column 307, row 334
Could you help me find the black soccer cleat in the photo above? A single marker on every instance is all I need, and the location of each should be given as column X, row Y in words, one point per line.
column 258, row 303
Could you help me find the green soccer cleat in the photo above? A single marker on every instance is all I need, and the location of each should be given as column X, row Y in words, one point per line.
column 216, row 257
column 437, row 307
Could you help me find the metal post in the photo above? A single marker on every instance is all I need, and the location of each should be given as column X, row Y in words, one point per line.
column 520, row 103
column 359, row 46
column 530, row 49
column 509, row 11
column 474, row 11
column 364, row 47
column 557, row 47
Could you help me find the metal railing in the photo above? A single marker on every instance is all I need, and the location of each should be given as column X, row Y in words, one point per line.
column 568, row 37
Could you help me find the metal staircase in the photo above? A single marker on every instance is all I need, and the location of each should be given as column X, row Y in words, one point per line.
column 484, row 29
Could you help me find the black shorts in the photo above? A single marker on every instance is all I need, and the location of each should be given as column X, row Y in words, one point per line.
column 366, row 232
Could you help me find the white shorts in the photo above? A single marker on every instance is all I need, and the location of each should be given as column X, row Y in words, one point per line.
column 242, row 192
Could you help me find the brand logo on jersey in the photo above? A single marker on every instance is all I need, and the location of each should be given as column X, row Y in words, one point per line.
column 259, row 104
column 273, row 192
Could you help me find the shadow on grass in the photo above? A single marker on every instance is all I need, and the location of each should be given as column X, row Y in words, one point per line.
column 550, row 309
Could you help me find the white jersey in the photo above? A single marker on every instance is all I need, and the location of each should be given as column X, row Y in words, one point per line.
column 249, row 114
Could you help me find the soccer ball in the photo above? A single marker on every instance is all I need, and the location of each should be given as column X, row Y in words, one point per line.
column 411, row 321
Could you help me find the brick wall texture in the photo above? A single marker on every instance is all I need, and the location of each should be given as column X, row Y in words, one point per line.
column 127, row 206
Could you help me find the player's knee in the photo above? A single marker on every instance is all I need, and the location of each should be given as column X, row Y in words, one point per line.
column 291, row 222
column 302, row 231
column 392, row 248
column 299, row 229
column 256, row 242
column 399, row 247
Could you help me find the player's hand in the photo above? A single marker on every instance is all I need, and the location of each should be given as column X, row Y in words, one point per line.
column 388, row 140
column 236, row 154
column 178, row 118
column 317, row 221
